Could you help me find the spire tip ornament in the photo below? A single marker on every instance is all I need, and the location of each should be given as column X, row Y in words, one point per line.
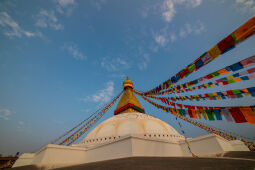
column 127, row 83
column 128, row 101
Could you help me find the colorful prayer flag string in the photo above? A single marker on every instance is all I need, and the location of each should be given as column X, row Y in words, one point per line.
column 249, row 144
column 232, row 94
column 237, row 77
column 72, row 138
column 243, row 32
column 237, row 114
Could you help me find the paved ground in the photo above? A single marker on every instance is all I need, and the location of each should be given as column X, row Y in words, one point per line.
column 161, row 163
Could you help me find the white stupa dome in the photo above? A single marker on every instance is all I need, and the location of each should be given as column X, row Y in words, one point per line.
column 128, row 124
column 130, row 120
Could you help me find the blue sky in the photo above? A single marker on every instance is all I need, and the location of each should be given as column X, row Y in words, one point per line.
column 62, row 59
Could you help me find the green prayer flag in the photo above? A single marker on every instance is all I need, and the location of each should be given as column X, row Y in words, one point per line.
column 236, row 91
column 210, row 94
column 231, row 81
column 180, row 112
column 239, row 95
column 215, row 74
column 191, row 67
column 209, row 114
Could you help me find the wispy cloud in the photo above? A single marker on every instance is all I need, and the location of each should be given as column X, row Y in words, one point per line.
column 48, row 19
column 169, row 7
column 144, row 64
column 191, row 29
column 20, row 124
column 74, row 51
column 98, row 4
column 246, row 5
column 65, row 6
column 161, row 39
column 12, row 29
column 103, row 95
column 165, row 36
column 117, row 75
column 5, row 114
column 114, row 64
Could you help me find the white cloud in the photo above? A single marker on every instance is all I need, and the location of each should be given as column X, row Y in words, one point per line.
column 73, row 50
column 12, row 28
column 246, row 5
column 48, row 19
column 102, row 96
column 169, row 9
column 117, row 75
column 20, row 124
column 161, row 39
column 165, row 36
column 173, row 37
column 65, row 6
column 114, row 64
column 144, row 64
column 98, row 4
column 190, row 29
column 65, row 3
column 194, row 3
column 5, row 114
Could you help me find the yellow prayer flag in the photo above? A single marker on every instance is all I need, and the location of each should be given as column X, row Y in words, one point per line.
column 204, row 114
column 218, row 97
column 246, row 94
column 198, row 114
column 230, row 77
column 214, row 51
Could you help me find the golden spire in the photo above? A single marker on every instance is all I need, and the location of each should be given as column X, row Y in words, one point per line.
column 128, row 101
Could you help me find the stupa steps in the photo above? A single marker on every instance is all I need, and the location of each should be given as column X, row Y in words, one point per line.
column 161, row 163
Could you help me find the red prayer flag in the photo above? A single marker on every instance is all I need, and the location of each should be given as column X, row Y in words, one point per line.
column 190, row 113
column 237, row 115
column 179, row 105
column 226, row 43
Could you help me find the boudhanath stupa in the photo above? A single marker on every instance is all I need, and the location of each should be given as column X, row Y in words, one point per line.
column 130, row 133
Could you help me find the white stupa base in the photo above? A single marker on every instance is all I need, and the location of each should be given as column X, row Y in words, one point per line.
column 53, row 156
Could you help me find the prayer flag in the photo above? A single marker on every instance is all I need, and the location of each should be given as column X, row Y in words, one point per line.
column 214, row 51
column 251, row 91
column 206, row 58
column 249, row 115
column 237, row 115
column 245, row 30
column 222, row 71
column 193, row 111
column 248, row 61
column 199, row 63
column 227, row 115
column 198, row 113
column 190, row 113
column 236, row 66
column 204, row 114
column 217, row 114
column 226, row 43
column 209, row 114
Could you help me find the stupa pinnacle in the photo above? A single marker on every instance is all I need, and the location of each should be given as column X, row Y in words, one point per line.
column 128, row 101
